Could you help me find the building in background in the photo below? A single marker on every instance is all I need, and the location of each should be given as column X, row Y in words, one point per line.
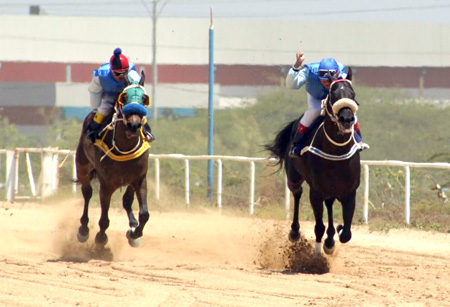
column 47, row 61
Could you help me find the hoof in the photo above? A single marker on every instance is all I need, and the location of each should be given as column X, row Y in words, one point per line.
column 134, row 242
column 101, row 239
column 344, row 237
column 82, row 238
column 328, row 246
column 83, row 234
column 294, row 236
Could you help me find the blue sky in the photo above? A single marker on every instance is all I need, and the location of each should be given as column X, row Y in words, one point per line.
column 430, row 11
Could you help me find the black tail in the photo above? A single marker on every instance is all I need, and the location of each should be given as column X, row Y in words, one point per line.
column 280, row 145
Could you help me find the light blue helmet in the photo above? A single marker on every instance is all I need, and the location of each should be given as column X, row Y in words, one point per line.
column 328, row 67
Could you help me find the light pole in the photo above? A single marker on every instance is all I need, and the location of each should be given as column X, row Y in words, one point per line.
column 154, row 65
column 211, row 105
column 154, row 14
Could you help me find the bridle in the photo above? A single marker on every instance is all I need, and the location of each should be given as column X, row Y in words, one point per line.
column 333, row 115
column 335, row 108
column 339, row 104
column 119, row 116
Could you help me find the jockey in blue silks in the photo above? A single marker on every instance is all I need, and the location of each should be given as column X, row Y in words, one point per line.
column 107, row 83
column 315, row 76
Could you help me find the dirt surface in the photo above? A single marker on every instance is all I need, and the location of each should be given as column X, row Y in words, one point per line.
column 208, row 259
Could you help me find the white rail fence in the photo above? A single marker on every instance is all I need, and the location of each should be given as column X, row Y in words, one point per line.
column 48, row 179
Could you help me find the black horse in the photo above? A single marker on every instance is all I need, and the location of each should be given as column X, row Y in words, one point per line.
column 118, row 158
column 330, row 165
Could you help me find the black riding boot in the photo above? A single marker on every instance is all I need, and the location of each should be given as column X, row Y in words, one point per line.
column 149, row 137
column 297, row 144
column 93, row 131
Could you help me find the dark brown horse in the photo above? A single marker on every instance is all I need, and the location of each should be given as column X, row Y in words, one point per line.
column 330, row 165
column 119, row 158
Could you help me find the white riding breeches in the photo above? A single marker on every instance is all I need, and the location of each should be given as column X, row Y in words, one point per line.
column 314, row 108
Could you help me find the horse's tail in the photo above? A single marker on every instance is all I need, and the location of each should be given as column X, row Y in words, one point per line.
column 279, row 146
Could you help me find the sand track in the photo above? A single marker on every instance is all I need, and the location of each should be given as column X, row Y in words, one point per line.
column 208, row 259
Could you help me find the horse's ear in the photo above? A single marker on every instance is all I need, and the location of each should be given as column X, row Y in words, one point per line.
column 349, row 73
column 142, row 78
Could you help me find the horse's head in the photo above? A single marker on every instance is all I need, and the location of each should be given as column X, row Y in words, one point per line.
column 341, row 105
column 133, row 102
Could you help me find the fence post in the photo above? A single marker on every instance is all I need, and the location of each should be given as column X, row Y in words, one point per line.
column 55, row 172
column 10, row 174
column 46, row 177
column 186, row 180
column 252, row 187
column 30, row 174
column 157, row 195
column 366, row 194
column 407, row 195
column 219, row 184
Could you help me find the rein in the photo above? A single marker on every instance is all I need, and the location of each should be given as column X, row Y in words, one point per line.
column 333, row 141
column 316, row 151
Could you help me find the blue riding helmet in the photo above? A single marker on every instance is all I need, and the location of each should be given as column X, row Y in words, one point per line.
column 328, row 65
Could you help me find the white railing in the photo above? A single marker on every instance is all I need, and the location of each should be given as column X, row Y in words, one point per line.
column 50, row 164
column 219, row 160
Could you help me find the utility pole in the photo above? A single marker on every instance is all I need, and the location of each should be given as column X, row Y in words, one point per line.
column 211, row 106
column 154, row 65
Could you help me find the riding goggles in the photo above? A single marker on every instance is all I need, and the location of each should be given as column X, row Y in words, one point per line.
column 118, row 73
column 325, row 73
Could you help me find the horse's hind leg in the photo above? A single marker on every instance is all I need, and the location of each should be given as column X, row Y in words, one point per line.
column 348, row 209
column 127, row 201
column 134, row 234
column 328, row 245
column 319, row 228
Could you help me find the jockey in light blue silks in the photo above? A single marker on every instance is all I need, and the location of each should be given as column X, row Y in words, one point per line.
column 107, row 83
column 315, row 76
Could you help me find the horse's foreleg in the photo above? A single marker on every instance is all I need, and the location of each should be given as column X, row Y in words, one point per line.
column 294, row 234
column 319, row 228
column 105, row 198
column 141, row 193
column 83, row 231
column 328, row 245
column 348, row 209
column 127, row 201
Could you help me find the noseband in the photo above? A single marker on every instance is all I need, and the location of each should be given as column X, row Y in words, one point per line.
column 338, row 105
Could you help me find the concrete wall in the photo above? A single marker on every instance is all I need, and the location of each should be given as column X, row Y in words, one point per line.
column 249, row 42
